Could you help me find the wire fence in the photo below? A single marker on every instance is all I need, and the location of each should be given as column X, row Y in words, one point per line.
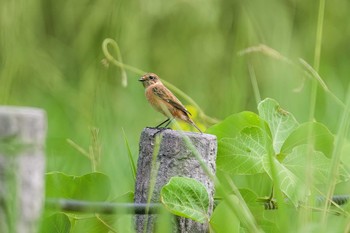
column 144, row 208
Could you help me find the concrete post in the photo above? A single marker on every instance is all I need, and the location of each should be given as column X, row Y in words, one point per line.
column 173, row 159
column 22, row 168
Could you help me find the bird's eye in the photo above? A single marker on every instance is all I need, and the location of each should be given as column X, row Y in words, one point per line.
column 151, row 77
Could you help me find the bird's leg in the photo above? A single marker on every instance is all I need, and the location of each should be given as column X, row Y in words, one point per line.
column 163, row 123
column 170, row 120
column 160, row 129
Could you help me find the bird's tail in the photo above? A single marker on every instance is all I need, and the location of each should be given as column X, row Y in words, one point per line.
column 194, row 125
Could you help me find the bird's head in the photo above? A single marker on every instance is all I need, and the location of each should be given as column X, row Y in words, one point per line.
column 149, row 79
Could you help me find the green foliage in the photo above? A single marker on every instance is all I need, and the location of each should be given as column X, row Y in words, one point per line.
column 232, row 125
column 254, row 148
column 224, row 220
column 90, row 187
column 319, row 165
column 243, row 154
column 313, row 133
column 281, row 123
column 92, row 223
column 56, row 223
column 186, row 197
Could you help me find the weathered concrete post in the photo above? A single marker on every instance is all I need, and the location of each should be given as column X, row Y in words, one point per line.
column 22, row 167
column 174, row 158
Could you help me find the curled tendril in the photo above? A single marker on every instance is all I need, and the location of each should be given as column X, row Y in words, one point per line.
column 119, row 61
column 109, row 59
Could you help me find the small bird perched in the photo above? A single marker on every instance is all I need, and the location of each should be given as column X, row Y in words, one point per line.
column 164, row 101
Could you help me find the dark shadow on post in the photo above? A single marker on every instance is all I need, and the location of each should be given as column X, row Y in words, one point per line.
column 22, row 168
column 174, row 158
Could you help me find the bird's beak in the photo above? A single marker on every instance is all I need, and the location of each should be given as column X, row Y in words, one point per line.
column 141, row 79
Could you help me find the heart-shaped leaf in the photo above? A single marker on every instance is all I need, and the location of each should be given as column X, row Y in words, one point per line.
column 244, row 154
column 56, row 223
column 281, row 122
column 303, row 162
column 287, row 181
column 224, row 219
column 310, row 132
column 186, row 197
column 234, row 124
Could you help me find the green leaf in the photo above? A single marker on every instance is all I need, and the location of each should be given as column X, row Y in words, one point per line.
column 286, row 180
column 317, row 164
column 186, row 197
column 249, row 196
column 126, row 197
column 57, row 223
column 223, row 218
column 321, row 138
column 291, row 175
column 91, row 187
column 233, row 125
column 281, row 122
column 243, row 154
column 96, row 223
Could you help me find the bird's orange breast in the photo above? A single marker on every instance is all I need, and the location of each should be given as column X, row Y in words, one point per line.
column 164, row 107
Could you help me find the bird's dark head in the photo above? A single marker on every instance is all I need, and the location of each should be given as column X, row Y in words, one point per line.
column 149, row 79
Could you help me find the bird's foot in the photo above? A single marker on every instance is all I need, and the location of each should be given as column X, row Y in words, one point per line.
column 158, row 130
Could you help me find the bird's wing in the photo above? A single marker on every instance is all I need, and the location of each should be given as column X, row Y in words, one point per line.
column 166, row 96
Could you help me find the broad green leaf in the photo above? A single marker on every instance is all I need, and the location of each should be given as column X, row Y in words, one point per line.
column 281, row 122
column 233, row 125
column 223, row 218
column 186, row 197
column 259, row 183
column 249, row 196
column 91, row 187
column 286, row 180
column 126, row 197
column 243, row 154
column 313, row 163
column 313, row 132
column 256, row 207
column 57, row 223
column 97, row 223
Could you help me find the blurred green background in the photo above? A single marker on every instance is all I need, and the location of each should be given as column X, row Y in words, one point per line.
column 50, row 57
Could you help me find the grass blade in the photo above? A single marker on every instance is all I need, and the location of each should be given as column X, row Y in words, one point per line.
column 131, row 160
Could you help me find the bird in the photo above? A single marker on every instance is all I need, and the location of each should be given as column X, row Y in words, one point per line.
column 164, row 101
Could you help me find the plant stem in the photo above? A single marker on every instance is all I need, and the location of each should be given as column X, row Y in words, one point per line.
column 317, row 57
column 254, row 84
column 318, row 44
column 338, row 146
